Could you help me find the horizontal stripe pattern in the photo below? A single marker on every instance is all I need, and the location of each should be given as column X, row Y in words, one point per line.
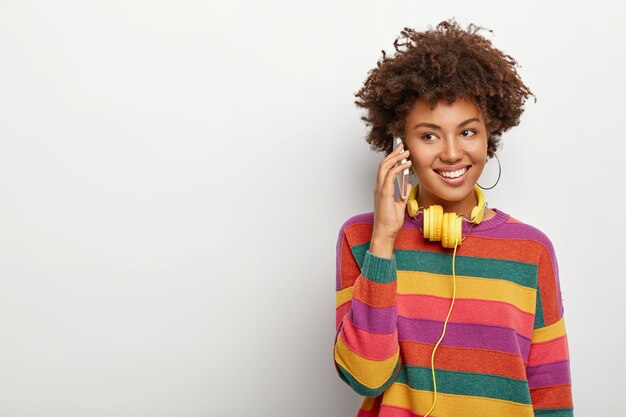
column 555, row 398
column 367, row 353
column 467, row 287
column 548, row 369
column 505, row 348
column 520, row 273
column 555, row 373
column 372, row 374
column 420, row 401
column 368, row 345
column 496, row 313
column 547, row 352
column 375, row 320
column 465, row 383
column 550, row 332
column 464, row 335
column 464, row 359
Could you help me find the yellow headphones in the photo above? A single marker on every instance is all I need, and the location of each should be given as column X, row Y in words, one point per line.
column 445, row 227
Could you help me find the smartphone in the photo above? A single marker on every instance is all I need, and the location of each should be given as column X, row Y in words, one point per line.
column 403, row 178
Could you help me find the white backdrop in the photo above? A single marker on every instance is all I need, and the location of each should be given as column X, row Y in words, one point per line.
column 173, row 176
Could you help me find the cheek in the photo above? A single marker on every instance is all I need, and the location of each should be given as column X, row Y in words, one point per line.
column 479, row 165
column 422, row 157
column 420, row 165
column 478, row 152
column 478, row 170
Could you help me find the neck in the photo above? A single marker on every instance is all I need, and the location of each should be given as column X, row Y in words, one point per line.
column 461, row 207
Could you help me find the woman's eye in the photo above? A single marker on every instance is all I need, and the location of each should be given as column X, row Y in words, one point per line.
column 427, row 137
column 468, row 130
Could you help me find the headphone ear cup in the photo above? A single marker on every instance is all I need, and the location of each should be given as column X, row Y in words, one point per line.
column 444, row 227
column 445, row 230
column 436, row 211
column 451, row 230
column 428, row 223
column 438, row 222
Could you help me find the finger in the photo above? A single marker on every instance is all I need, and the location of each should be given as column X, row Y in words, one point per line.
column 383, row 167
column 396, row 151
column 407, row 191
column 391, row 176
column 388, row 163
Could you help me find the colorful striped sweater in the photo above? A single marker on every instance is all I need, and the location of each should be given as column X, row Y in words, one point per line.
column 505, row 351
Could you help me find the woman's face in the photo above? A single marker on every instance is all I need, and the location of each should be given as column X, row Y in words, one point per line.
column 451, row 137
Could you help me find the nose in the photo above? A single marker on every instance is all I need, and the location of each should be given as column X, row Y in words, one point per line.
column 451, row 151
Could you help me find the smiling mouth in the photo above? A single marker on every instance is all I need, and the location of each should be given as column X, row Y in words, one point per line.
column 453, row 174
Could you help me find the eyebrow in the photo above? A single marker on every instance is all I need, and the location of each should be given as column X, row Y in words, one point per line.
column 434, row 126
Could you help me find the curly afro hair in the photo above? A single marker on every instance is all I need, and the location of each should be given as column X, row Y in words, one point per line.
column 442, row 63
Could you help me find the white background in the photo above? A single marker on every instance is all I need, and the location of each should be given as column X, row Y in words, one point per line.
column 173, row 176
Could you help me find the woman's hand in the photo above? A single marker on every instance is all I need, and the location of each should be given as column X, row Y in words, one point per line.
column 389, row 213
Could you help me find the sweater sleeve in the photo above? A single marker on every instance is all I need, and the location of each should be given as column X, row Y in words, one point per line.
column 366, row 350
column 548, row 367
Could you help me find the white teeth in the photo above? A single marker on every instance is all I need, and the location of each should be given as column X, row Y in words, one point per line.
column 453, row 174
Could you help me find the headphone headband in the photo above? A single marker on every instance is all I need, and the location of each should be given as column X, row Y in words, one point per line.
column 446, row 227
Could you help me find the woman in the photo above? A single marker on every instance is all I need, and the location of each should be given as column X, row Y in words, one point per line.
column 433, row 321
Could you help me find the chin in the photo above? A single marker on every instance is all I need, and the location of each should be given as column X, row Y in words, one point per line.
column 458, row 193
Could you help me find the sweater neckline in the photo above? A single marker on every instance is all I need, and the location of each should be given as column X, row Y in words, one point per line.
column 499, row 218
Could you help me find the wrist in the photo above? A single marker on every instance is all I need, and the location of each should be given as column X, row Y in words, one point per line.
column 382, row 246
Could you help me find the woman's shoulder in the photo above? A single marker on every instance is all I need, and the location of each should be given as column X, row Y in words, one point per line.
column 515, row 227
column 359, row 218
column 357, row 226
